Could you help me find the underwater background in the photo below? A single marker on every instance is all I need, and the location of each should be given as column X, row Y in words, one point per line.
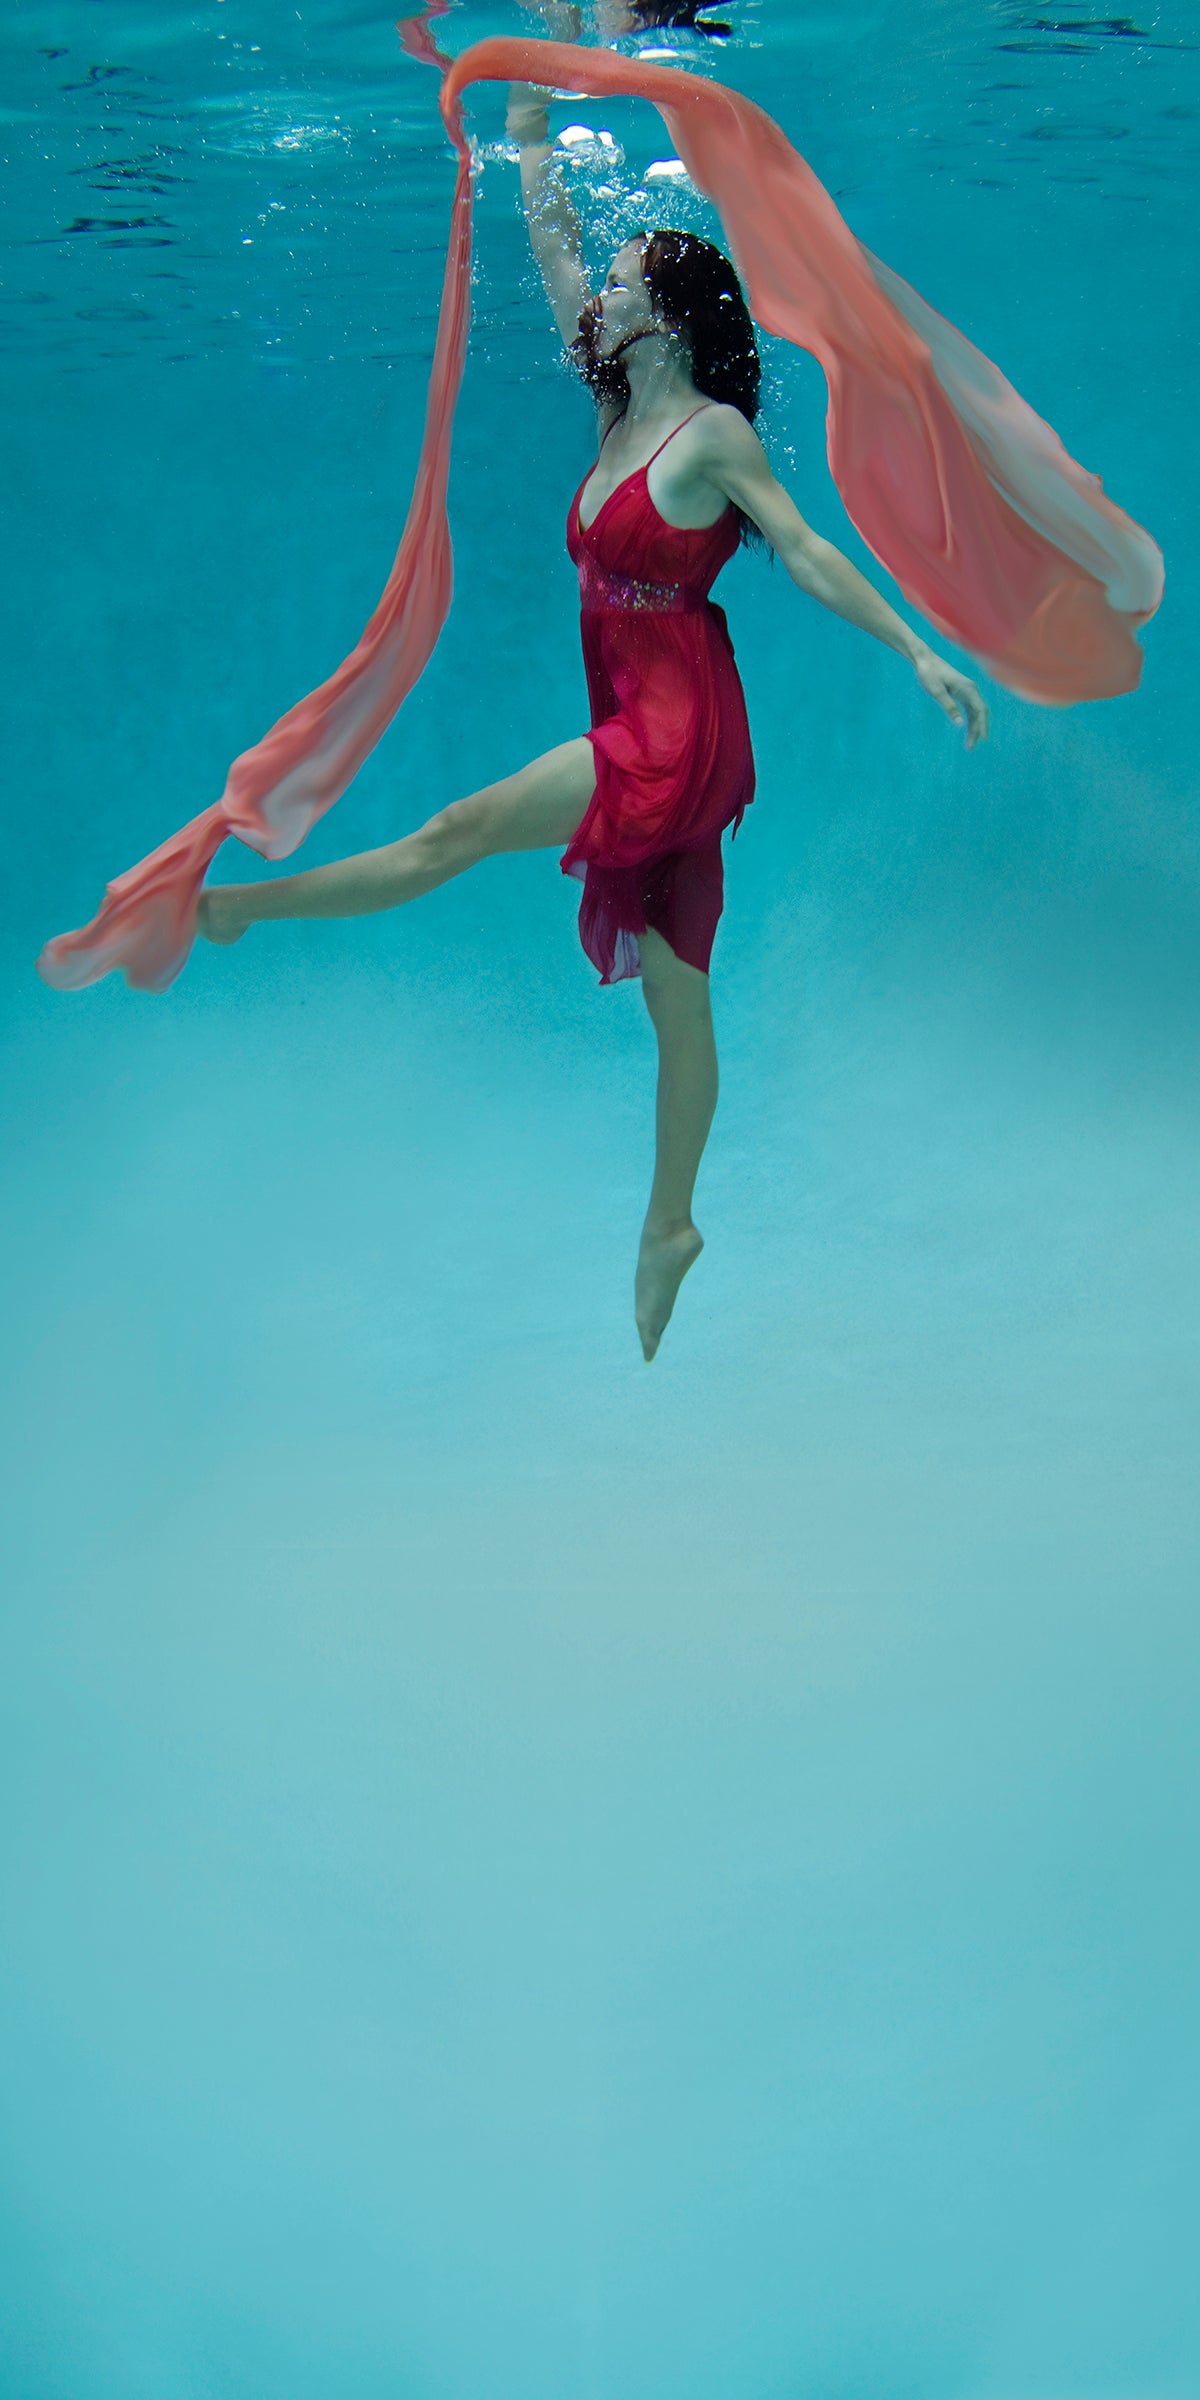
column 525, row 1874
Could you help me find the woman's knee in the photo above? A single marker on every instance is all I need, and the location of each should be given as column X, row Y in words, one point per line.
column 463, row 830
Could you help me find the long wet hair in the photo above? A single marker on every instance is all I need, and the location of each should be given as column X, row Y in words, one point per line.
column 696, row 292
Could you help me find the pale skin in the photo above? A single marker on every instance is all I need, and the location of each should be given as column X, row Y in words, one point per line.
column 715, row 460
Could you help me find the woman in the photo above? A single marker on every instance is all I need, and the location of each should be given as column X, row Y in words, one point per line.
column 680, row 473
column 970, row 500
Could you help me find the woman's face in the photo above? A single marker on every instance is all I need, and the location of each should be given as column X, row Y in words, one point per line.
column 623, row 303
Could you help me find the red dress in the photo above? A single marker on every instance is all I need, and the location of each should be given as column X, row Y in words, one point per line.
column 669, row 731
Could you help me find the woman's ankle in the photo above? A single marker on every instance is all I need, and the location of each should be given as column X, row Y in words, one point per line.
column 664, row 1225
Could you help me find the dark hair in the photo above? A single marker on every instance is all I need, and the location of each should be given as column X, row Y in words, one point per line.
column 695, row 291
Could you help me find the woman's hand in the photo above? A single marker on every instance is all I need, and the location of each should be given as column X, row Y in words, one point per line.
column 528, row 117
column 955, row 694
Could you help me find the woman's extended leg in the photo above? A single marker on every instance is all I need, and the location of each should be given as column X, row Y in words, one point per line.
column 677, row 997
column 538, row 807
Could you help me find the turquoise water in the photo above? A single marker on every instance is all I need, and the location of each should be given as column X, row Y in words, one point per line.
column 530, row 1875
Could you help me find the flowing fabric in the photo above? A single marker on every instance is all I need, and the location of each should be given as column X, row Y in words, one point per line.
column 669, row 733
column 968, row 499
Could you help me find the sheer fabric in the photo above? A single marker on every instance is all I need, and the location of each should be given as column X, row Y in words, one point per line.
column 969, row 500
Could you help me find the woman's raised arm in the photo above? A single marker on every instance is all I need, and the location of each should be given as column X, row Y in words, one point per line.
column 554, row 234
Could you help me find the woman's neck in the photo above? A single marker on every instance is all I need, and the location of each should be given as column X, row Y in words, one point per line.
column 659, row 375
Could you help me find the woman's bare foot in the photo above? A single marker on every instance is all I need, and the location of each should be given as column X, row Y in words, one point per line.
column 665, row 1255
column 218, row 916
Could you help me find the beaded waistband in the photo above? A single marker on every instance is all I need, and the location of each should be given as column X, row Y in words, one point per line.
column 599, row 590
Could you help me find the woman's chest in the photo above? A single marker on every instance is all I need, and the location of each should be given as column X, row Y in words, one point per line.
column 628, row 536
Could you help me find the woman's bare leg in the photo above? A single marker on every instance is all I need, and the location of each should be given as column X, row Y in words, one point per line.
column 539, row 807
column 677, row 997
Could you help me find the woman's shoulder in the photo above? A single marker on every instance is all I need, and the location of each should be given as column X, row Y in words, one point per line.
column 723, row 430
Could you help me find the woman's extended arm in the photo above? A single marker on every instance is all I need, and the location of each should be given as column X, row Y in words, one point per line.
column 729, row 454
column 554, row 233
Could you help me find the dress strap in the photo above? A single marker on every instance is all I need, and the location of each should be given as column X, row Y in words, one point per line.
column 696, row 412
